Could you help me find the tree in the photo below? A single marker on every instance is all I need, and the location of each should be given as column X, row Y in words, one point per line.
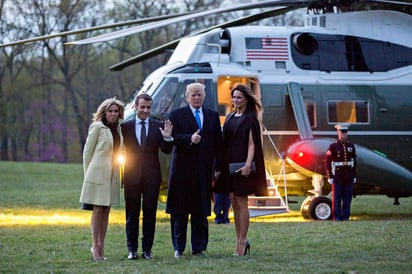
column 49, row 91
column 12, row 61
column 56, row 68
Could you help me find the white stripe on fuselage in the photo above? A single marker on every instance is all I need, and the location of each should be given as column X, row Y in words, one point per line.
column 333, row 133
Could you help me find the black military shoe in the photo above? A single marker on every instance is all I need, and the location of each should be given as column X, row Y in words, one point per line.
column 147, row 255
column 132, row 255
column 178, row 254
column 198, row 253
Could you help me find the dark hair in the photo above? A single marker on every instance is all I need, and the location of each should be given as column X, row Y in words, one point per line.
column 253, row 103
column 143, row 96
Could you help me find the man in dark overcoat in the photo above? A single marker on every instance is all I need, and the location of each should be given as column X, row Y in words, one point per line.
column 197, row 145
column 143, row 137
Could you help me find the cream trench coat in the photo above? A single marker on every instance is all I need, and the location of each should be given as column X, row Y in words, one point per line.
column 101, row 185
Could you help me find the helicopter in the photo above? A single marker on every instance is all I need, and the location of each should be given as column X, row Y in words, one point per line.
column 341, row 67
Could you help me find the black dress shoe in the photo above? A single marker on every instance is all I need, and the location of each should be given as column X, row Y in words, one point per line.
column 147, row 255
column 198, row 253
column 178, row 254
column 132, row 255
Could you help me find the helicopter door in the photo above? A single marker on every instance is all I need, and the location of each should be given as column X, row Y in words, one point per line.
column 224, row 98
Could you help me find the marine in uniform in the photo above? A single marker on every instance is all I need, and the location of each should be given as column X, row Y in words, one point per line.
column 341, row 173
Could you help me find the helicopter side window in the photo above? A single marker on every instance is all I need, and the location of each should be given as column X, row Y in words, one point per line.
column 327, row 52
column 352, row 112
column 310, row 107
column 164, row 97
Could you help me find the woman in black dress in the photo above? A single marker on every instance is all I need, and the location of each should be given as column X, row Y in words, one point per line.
column 242, row 144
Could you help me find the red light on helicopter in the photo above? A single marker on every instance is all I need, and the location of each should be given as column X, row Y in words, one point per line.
column 307, row 156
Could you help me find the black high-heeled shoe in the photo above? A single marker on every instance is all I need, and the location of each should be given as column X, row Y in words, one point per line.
column 246, row 252
column 247, row 248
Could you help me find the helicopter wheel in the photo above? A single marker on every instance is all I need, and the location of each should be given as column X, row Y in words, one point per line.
column 320, row 208
column 304, row 208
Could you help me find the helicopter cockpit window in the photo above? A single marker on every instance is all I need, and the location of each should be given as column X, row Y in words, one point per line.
column 351, row 112
column 164, row 97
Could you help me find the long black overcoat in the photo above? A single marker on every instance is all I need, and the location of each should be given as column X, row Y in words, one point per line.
column 192, row 165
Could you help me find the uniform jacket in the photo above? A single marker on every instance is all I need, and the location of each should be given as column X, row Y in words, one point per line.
column 101, row 185
column 341, row 162
column 138, row 159
column 192, row 165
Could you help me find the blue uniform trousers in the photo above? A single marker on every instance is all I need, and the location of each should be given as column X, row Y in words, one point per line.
column 341, row 200
column 221, row 208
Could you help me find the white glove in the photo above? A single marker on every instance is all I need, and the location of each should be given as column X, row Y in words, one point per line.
column 354, row 180
column 330, row 181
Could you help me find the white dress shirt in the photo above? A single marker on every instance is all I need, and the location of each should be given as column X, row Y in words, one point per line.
column 139, row 127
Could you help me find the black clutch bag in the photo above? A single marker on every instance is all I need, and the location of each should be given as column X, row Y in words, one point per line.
column 233, row 167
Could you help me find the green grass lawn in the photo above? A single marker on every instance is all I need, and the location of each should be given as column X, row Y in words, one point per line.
column 42, row 230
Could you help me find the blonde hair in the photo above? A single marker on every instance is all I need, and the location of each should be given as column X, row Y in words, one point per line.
column 105, row 105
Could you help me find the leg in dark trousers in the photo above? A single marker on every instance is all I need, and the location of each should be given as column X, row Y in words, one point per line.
column 346, row 201
column 179, row 231
column 218, row 208
column 150, row 197
column 200, row 232
column 133, row 198
column 337, row 190
column 226, row 208
column 221, row 208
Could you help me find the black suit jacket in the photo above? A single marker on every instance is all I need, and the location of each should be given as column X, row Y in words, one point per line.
column 192, row 165
column 139, row 160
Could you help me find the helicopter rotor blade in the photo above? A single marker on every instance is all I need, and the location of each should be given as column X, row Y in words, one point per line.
column 390, row 2
column 171, row 45
column 244, row 20
column 107, row 26
column 164, row 20
column 127, row 32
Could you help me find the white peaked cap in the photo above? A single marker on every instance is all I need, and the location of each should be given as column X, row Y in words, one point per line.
column 342, row 127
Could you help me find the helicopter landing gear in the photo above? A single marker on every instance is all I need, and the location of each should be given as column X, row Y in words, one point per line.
column 304, row 208
column 321, row 208
column 317, row 208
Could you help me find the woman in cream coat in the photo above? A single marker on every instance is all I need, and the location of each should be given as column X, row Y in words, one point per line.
column 101, row 185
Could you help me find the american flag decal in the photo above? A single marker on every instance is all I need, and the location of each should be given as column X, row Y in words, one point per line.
column 267, row 49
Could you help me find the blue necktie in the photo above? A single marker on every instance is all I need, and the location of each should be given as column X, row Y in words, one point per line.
column 143, row 134
column 197, row 116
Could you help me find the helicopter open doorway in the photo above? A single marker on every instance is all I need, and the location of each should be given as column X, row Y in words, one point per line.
column 274, row 203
